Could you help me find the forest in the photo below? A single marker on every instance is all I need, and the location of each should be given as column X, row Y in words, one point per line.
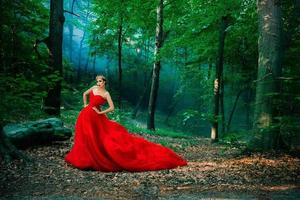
column 218, row 82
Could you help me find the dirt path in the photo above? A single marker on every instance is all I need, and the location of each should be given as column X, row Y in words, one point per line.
column 214, row 172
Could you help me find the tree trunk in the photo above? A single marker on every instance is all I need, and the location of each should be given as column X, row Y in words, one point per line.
column 269, row 69
column 79, row 57
column 81, row 42
column 94, row 64
column 156, row 67
column 222, row 105
column 94, row 55
column 107, row 69
column 71, row 28
column 87, row 62
column 233, row 109
column 209, row 68
column 52, row 101
column 171, row 110
column 141, row 98
column 218, row 79
column 120, row 32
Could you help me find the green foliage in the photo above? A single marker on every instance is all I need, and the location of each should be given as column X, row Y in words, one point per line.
column 140, row 128
column 20, row 98
column 238, row 139
column 69, row 117
column 23, row 75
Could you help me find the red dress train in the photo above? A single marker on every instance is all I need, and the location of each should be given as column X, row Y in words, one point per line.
column 104, row 145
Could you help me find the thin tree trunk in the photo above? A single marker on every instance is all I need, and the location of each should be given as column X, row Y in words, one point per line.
column 13, row 49
column 141, row 98
column 156, row 67
column 120, row 32
column 79, row 57
column 233, row 110
column 81, row 42
column 218, row 79
column 269, row 69
column 171, row 110
column 57, row 19
column 222, row 105
column 107, row 71
column 94, row 64
column 71, row 28
column 87, row 62
column 248, row 108
column 94, row 58
column 209, row 68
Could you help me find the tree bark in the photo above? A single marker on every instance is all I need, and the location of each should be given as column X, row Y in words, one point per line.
column 269, row 70
column 209, row 68
column 79, row 72
column 79, row 57
column 141, row 98
column 222, row 105
column 233, row 109
column 57, row 19
column 218, row 79
column 156, row 67
column 94, row 55
column 87, row 62
column 120, row 41
column 71, row 28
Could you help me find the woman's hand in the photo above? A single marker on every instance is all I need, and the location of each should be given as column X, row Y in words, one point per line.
column 85, row 105
column 96, row 110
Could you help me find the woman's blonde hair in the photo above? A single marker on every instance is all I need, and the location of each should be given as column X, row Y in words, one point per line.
column 102, row 77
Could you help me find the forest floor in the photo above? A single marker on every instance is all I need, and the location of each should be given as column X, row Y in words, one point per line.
column 214, row 171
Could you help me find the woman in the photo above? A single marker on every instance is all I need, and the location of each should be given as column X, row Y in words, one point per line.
column 104, row 145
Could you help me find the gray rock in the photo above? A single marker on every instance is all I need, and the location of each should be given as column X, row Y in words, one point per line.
column 36, row 132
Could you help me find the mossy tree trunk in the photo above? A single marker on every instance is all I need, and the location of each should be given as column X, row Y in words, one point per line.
column 218, row 79
column 269, row 70
column 57, row 19
column 156, row 67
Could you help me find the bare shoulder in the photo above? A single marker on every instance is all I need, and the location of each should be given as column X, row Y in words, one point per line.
column 93, row 87
column 106, row 93
column 89, row 90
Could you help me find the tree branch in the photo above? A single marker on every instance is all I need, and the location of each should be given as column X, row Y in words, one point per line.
column 72, row 13
column 73, row 5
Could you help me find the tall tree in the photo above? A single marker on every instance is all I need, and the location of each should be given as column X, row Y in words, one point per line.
column 52, row 100
column 156, row 66
column 219, row 78
column 269, row 71
column 120, row 42
column 71, row 30
column 116, row 20
column 85, row 32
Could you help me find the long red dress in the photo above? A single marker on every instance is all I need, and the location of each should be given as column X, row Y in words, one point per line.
column 104, row 145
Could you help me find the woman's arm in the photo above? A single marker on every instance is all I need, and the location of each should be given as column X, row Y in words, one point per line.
column 85, row 94
column 110, row 103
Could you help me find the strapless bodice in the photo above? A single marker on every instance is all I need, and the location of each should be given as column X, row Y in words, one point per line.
column 96, row 100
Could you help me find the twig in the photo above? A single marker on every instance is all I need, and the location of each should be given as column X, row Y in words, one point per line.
column 72, row 13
